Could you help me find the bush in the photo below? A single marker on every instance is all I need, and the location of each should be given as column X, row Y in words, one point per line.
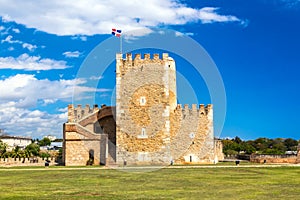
column 33, row 149
column 45, row 142
column 44, row 154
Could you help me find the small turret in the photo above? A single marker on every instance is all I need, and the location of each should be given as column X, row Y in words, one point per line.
column 71, row 116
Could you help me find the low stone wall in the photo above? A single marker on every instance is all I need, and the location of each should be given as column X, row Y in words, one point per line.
column 292, row 159
column 11, row 162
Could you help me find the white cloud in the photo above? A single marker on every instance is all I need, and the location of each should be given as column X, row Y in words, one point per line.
column 290, row 3
column 49, row 101
column 3, row 31
column 209, row 15
column 31, row 63
column 28, row 46
column 22, row 92
column 33, row 123
column 8, row 39
column 132, row 35
column 82, row 38
column 16, row 30
column 189, row 34
column 91, row 17
column 11, row 48
column 26, row 90
column 65, row 109
column 96, row 77
column 5, row 17
column 179, row 34
column 72, row 54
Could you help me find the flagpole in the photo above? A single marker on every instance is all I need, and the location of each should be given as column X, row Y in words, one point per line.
column 118, row 33
column 121, row 44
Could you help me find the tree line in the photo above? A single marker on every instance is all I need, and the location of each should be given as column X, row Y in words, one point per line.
column 278, row 146
column 31, row 150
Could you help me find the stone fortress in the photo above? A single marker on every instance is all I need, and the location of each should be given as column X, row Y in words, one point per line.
column 147, row 126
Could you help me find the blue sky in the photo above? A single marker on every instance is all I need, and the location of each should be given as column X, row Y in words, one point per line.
column 255, row 45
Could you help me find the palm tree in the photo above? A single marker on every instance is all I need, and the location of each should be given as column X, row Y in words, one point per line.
column 3, row 147
column 27, row 153
column 7, row 154
column 16, row 153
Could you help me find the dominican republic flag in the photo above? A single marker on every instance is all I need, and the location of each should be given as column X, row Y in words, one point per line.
column 116, row 32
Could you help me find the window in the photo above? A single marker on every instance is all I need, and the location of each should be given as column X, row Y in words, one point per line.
column 192, row 135
column 142, row 101
column 143, row 134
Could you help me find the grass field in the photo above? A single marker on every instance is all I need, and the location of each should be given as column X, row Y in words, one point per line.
column 187, row 183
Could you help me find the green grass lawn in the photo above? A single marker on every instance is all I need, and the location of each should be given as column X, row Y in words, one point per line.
column 191, row 183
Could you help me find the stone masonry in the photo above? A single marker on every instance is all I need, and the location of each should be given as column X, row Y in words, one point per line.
column 89, row 135
column 150, row 128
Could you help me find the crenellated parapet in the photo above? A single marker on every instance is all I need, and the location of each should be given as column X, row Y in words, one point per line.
column 137, row 61
column 75, row 114
column 200, row 110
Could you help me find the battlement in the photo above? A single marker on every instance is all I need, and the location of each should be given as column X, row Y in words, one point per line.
column 77, row 113
column 146, row 57
column 137, row 60
column 200, row 110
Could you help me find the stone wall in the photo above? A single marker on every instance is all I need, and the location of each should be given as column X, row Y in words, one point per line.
column 78, row 146
column 151, row 127
column 298, row 154
column 12, row 162
column 219, row 156
column 88, row 138
column 292, row 159
column 76, row 114
column 143, row 108
column 192, row 139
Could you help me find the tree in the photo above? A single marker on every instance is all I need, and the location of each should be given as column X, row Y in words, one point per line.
column 247, row 148
column 44, row 154
column 60, row 153
column 230, row 147
column 238, row 140
column 17, row 152
column 33, row 149
column 278, row 145
column 273, row 152
column 261, row 144
column 291, row 144
column 7, row 154
column 3, row 147
column 45, row 142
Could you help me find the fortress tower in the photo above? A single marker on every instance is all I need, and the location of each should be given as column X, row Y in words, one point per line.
column 149, row 127
column 145, row 95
